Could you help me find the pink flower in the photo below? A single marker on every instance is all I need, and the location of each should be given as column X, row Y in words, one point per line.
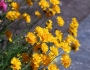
column 1, row 0
column 3, row 6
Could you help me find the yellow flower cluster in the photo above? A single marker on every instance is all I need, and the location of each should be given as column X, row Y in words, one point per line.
column 65, row 60
column 39, row 40
column 12, row 15
column 16, row 64
column 43, row 46
column 50, row 7
column 44, row 34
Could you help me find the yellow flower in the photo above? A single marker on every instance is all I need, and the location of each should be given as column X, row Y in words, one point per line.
column 27, row 17
column 57, row 43
column 8, row 35
column 49, row 24
column 75, row 45
column 54, row 50
column 66, row 60
column 44, row 47
column 44, row 4
column 59, row 35
column 60, row 21
column 31, row 38
column 16, row 64
column 73, row 27
column 44, row 34
column 56, row 8
column 74, row 23
column 38, row 14
column 55, row 2
column 73, row 42
column 15, row 5
column 51, row 56
column 65, row 46
column 45, row 59
column 29, row 2
column 51, row 12
column 69, row 39
column 12, row 15
column 52, row 67
column 36, row 59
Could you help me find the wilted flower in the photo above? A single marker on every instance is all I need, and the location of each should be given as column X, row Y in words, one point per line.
column 8, row 35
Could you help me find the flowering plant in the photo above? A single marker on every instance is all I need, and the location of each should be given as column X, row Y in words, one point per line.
column 35, row 47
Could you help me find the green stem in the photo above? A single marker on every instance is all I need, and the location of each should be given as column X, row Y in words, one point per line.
column 26, row 66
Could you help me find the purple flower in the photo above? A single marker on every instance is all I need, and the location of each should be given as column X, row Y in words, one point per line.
column 3, row 6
